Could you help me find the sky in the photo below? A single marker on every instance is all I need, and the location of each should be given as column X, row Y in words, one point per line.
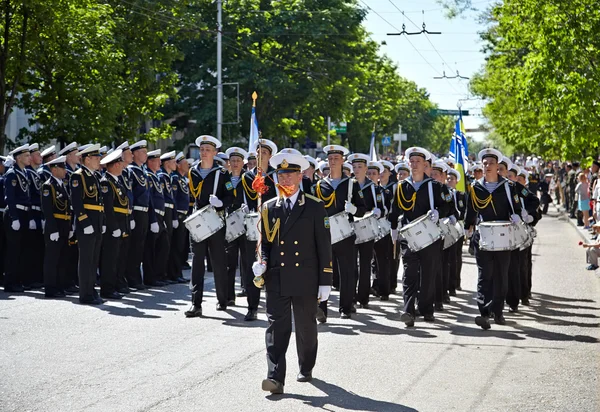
column 457, row 48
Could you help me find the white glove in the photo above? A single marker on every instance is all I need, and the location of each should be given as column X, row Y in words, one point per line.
column 245, row 208
column 32, row 225
column 88, row 230
column 258, row 268
column 175, row 224
column 515, row 218
column 103, row 229
column 434, row 215
column 452, row 219
column 132, row 225
column 350, row 208
column 377, row 212
column 154, row 227
column 528, row 219
column 214, row 201
column 116, row 233
column 394, row 234
column 324, row 292
column 54, row 236
column 16, row 225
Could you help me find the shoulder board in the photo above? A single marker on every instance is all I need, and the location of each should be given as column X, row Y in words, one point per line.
column 316, row 199
column 270, row 201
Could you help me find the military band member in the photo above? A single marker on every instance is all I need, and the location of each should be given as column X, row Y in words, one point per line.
column 143, row 215
column 296, row 255
column 236, row 249
column 251, row 163
column 56, row 207
column 347, row 169
column 116, row 211
column 341, row 194
column 35, row 237
column 412, row 201
column 168, row 165
column 209, row 185
column 267, row 148
column 89, row 222
column 16, row 219
column 460, row 204
column 181, row 196
column 491, row 198
column 403, row 171
column 308, row 180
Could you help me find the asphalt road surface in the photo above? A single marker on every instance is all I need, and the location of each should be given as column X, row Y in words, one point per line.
column 142, row 354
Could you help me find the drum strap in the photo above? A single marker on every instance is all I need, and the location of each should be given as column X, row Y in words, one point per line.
column 374, row 195
column 350, row 182
column 509, row 198
column 430, row 189
column 216, row 185
column 455, row 202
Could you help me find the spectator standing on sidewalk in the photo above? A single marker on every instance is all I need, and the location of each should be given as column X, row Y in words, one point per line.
column 582, row 192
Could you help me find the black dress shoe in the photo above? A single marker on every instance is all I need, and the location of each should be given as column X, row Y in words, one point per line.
column 429, row 318
column 458, row 288
column 72, row 290
column 451, row 293
column 170, row 281
column 156, row 284
column 363, row 305
column 446, row 299
column 483, row 322
column 304, row 377
column 242, row 294
column 91, row 300
column 36, row 285
column 321, row 317
column 124, row 290
column 345, row 315
column 112, row 295
column 384, row 298
column 181, row 279
column 59, row 294
column 417, row 313
column 393, row 292
column 250, row 316
column 186, row 266
column 231, row 302
column 513, row 309
column 193, row 312
column 139, row 286
column 220, row 306
column 408, row 319
column 499, row 320
column 271, row 385
column 14, row 289
column 353, row 309
column 525, row 302
column 439, row 307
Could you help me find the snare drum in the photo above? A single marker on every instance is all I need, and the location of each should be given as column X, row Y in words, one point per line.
column 385, row 227
column 340, row 227
column 204, row 223
column 420, row 233
column 234, row 225
column 365, row 228
column 520, row 234
column 496, row 236
column 451, row 232
column 251, row 222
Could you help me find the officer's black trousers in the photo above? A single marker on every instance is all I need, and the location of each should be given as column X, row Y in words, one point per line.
column 156, row 253
column 109, row 274
column 35, row 246
column 383, row 262
column 236, row 253
column 453, row 266
column 89, row 258
column 419, row 276
column 513, row 290
column 73, row 261
column 525, row 272
column 15, row 253
column 122, row 261
column 492, row 280
column 277, row 337
column 365, row 256
column 136, row 247
column 395, row 265
column 459, row 261
column 343, row 253
column 443, row 275
column 55, row 259
column 215, row 247
column 175, row 262
column 252, row 292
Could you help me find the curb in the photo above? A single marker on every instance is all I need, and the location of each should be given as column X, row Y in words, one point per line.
column 563, row 214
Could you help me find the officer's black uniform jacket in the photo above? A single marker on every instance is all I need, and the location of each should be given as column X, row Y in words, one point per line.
column 35, row 194
column 407, row 210
column 86, row 200
column 56, row 205
column 181, row 193
column 251, row 195
column 116, row 204
column 201, row 189
column 157, row 197
column 44, row 172
column 335, row 199
column 16, row 194
column 140, row 189
column 166, row 182
column 498, row 209
column 297, row 248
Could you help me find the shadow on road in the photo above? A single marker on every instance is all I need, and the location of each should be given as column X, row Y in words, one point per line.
column 341, row 398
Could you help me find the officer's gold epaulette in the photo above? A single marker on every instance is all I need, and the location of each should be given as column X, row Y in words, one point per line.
column 316, row 199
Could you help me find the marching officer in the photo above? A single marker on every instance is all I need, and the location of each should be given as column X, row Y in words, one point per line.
column 48, row 155
column 165, row 176
column 209, row 185
column 35, row 236
column 56, row 207
column 181, row 196
column 89, row 222
column 72, row 164
column 296, row 255
column 16, row 218
column 116, row 211
column 125, row 242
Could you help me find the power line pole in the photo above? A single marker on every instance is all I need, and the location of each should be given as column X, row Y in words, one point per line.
column 219, row 70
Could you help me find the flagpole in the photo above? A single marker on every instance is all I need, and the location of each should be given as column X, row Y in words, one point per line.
column 258, row 281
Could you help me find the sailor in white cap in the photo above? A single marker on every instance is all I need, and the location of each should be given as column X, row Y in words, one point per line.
column 323, row 169
column 209, row 185
column 388, row 182
column 347, row 169
column 116, row 211
column 477, row 171
column 460, row 204
column 373, row 203
column 143, row 215
column 181, row 194
column 57, row 212
column 251, row 160
column 48, row 155
column 341, row 194
column 72, row 155
column 294, row 225
column 403, row 171
column 492, row 198
column 418, row 196
column 16, row 219
column 308, row 181
column 223, row 159
column 88, row 212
